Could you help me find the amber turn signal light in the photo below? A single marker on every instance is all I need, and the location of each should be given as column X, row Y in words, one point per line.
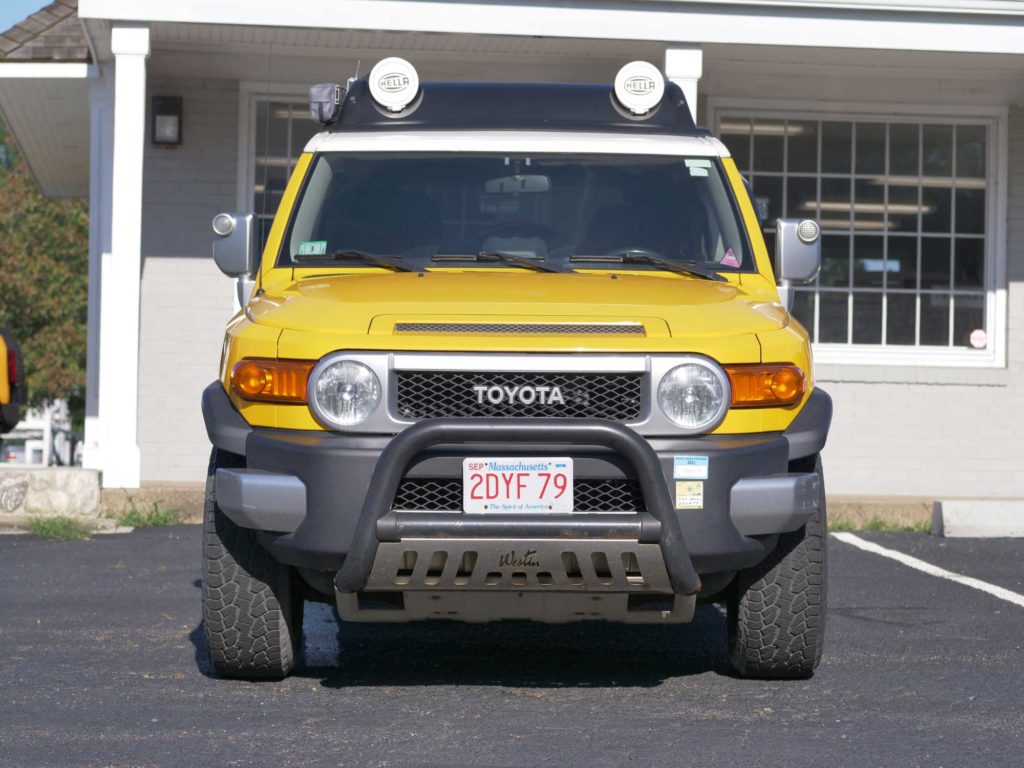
column 271, row 381
column 763, row 386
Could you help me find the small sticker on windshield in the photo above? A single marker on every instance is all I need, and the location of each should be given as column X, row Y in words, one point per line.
column 313, row 248
column 698, row 171
column 730, row 260
column 697, row 162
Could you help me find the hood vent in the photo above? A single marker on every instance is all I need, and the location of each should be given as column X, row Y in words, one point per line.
column 523, row 329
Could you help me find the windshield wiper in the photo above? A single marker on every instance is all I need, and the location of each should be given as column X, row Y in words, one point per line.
column 496, row 256
column 688, row 268
column 354, row 255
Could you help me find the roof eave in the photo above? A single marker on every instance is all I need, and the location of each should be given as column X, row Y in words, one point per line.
column 45, row 106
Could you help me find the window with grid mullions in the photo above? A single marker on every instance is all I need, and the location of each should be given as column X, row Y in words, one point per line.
column 282, row 130
column 903, row 208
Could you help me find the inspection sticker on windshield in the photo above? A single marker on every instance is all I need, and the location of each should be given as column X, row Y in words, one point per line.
column 690, row 494
column 690, row 467
column 730, row 260
column 313, row 248
column 517, row 485
column 698, row 166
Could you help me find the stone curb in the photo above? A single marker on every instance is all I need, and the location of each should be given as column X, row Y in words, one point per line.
column 978, row 518
column 49, row 492
column 10, row 524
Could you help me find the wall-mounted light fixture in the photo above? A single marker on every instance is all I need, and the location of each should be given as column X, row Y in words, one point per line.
column 166, row 121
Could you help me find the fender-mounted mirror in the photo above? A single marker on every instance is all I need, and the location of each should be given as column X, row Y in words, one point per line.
column 233, row 243
column 797, row 254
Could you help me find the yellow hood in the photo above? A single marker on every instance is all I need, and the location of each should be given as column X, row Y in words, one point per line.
column 371, row 302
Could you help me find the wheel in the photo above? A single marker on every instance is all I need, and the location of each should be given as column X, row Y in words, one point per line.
column 252, row 604
column 776, row 610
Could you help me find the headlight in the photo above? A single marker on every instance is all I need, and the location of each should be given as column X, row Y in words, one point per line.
column 695, row 395
column 343, row 393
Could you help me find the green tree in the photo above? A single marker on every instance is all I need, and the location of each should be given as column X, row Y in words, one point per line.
column 44, row 260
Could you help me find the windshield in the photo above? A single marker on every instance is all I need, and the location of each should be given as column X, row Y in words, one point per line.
column 424, row 209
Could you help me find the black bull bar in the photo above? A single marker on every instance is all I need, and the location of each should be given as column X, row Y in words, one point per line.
column 405, row 447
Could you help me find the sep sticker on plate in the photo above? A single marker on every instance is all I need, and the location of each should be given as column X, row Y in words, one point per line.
column 690, row 494
column 690, row 467
column 313, row 248
column 517, row 485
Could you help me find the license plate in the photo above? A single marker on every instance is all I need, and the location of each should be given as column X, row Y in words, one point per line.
column 517, row 485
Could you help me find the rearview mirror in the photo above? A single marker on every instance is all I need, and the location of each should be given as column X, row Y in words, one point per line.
column 797, row 254
column 517, row 185
column 233, row 243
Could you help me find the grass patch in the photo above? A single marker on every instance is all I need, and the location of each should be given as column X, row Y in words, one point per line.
column 58, row 528
column 882, row 524
column 154, row 514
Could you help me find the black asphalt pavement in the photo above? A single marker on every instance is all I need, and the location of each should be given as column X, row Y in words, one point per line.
column 102, row 663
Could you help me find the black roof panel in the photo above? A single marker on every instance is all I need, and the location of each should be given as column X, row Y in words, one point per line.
column 516, row 106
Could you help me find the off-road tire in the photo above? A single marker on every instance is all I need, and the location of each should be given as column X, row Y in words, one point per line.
column 252, row 604
column 776, row 610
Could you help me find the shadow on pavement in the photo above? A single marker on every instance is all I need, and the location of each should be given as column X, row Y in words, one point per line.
column 591, row 655
column 201, row 653
column 512, row 654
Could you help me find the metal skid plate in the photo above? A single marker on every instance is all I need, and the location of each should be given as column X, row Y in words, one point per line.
column 551, row 580
column 580, row 565
column 550, row 608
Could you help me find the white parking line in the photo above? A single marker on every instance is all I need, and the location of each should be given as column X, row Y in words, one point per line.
column 933, row 570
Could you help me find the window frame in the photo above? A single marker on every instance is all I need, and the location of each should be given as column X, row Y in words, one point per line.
column 250, row 95
column 995, row 120
column 749, row 254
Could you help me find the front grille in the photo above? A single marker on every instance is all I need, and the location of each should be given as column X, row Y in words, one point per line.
column 439, row 394
column 430, row 494
column 519, row 329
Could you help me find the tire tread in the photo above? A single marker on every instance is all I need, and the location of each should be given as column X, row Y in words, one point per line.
column 252, row 611
column 777, row 608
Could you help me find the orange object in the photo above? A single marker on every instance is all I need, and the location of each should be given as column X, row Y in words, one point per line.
column 762, row 386
column 271, row 381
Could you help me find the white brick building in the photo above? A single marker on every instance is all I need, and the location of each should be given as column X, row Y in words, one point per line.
column 896, row 122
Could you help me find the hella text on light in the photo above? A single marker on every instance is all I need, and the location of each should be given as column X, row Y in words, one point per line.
column 394, row 83
column 639, row 87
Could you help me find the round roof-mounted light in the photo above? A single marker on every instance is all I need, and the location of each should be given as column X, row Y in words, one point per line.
column 639, row 87
column 394, row 83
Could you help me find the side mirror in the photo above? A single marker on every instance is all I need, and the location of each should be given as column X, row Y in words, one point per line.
column 797, row 254
column 234, row 244
column 761, row 204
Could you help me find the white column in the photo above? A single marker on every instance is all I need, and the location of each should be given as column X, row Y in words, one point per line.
column 121, row 273
column 684, row 66
column 101, row 148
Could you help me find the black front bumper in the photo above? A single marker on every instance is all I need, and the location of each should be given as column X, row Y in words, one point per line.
column 324, row 499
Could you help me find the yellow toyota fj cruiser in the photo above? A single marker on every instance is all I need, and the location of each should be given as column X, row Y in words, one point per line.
column 514, row 351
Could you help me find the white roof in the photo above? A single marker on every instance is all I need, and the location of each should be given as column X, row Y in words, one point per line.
column 968, row 26
column 534, row 142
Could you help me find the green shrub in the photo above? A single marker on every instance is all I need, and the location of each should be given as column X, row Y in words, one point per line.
column 58, row 528
column 132, row 516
